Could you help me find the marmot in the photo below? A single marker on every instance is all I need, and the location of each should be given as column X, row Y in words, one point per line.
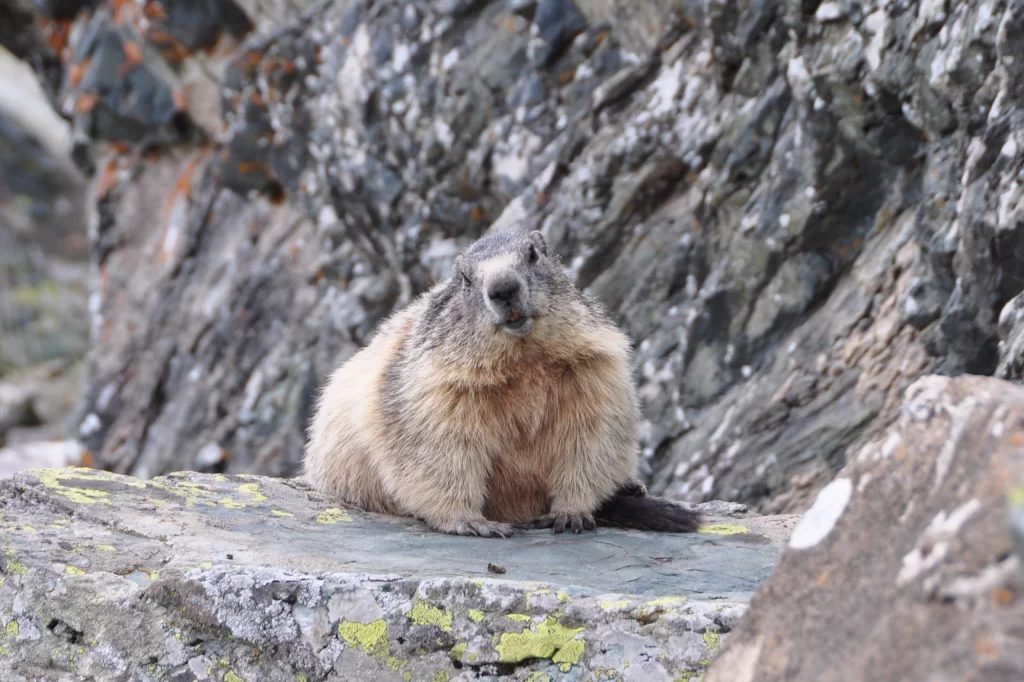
column 501, row 399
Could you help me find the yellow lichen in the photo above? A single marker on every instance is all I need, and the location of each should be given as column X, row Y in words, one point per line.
column 332, row 515
column 723, row 529
column 519, row 617
column 106, row 548
column 12, row 629
column 73, row 570
column 712, row 640
column 28, row 529
column 667, row 601
column 61, row 524
column 372, row 637
column 228, row 503
column 428, row 614
column 54, row 479
column 14, row 567
column 476, row 615
column 537, row 676
column 614, row 605
column 279, row 512
column 548, row 639
column 254, row 490
column 441, row 676
column 232, row 676
column 459, row 650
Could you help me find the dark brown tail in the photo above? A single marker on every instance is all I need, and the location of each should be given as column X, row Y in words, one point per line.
column 647, row 513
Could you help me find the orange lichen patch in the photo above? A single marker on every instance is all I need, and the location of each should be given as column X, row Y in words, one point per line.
column 542, row 198
column 986, row 648
column 1003, row 596
column 180, row 100
column 170, row 49
column 86, row 102
column 476, row 214
column 132, row 56
column 277, row 64
column 183, row 187
column 107, row 180
column 508, row 22
column 86, row 459
column 55, row 33
column 154, row 10
column 567, row 76
column 250, row 167
column 76, row 73
column 124, row 11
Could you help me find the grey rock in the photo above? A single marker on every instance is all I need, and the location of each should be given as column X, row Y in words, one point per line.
column 908, row 551
column 43, row 257
column 556, row 23
column 244, row 577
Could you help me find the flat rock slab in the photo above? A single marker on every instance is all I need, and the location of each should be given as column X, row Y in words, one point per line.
column 195, row 576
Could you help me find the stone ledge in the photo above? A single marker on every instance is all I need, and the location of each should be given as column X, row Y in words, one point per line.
column 214, row 577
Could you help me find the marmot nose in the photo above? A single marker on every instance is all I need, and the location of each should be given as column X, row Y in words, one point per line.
column 503, row 289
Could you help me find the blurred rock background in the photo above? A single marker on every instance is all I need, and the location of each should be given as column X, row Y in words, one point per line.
column 43, row 254
column 795, row 209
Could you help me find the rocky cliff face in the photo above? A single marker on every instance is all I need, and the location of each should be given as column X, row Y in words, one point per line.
column 794, row 208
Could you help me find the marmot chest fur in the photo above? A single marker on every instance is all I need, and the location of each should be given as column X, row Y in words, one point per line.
column 501, row 398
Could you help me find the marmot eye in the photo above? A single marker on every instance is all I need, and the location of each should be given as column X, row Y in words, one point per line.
column 533, row 256
column 466, row 280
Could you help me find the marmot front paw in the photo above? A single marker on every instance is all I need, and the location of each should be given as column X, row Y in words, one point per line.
column 484, row 529
column 558, row 522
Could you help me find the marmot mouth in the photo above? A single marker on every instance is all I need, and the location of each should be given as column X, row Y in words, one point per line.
column 517, row 325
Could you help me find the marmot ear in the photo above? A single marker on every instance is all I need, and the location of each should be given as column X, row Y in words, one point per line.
column 538, row 240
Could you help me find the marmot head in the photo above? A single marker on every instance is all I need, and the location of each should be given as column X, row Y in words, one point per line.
column 505, row 289
column 506, row 282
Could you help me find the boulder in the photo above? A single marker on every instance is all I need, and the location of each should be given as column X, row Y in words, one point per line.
column 910, row 563
column 238, row 577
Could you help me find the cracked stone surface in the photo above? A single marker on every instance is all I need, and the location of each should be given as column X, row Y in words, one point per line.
column 227, row 578
column 910, row 563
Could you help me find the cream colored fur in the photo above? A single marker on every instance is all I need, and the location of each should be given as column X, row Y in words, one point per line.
column 541, row 425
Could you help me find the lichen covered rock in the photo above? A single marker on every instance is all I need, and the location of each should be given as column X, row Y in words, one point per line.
column 227, row 578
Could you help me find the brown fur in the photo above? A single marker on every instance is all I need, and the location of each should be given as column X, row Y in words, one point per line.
column 475, row 433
